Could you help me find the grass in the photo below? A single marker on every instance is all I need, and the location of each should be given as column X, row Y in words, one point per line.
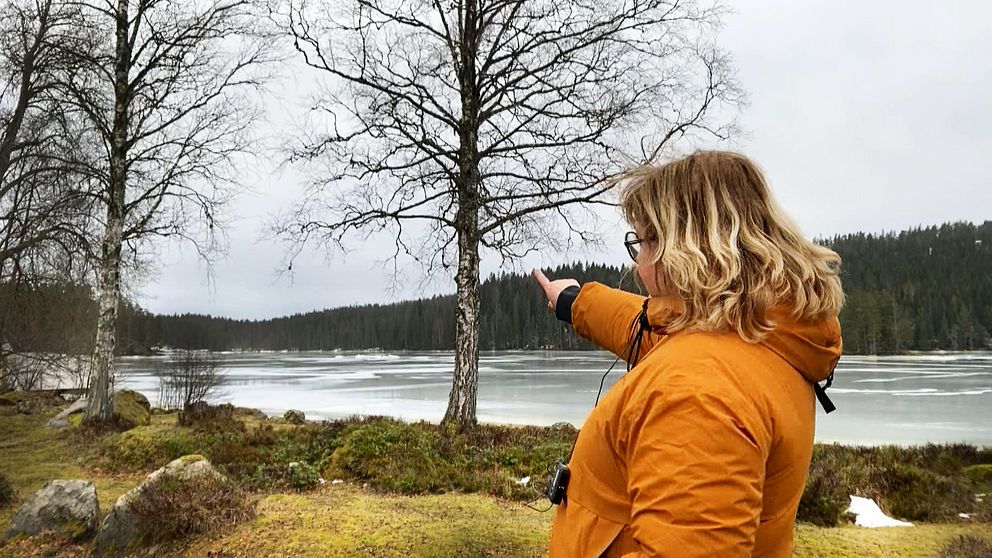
column 344, row 520
column 348, row 519
column 31, row 455
column 919, row 541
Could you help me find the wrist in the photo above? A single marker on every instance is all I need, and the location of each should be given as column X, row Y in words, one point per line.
column 563, row 306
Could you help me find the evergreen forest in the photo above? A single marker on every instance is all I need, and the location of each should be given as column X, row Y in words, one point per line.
column 917, row 290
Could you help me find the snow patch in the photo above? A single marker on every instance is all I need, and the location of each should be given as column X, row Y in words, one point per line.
column 870, row 515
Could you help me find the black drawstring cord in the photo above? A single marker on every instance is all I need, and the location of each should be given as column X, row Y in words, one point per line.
column 821, row 393
column 634, row 346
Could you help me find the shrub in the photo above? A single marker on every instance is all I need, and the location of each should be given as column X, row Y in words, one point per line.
column 967, row 546
column 392, row 456
column 303, row 476
column 189, row 377
column 7, row 492
column 916, row 493
column 203, row 416
column 426, row 458
column 980, row 477
column 836, row 472
column 257, row 457
column 823, row 502
column 923, row 483
column 174, row 508
column 983, row 507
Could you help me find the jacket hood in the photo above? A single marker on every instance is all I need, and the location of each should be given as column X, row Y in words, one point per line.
column 812, row 348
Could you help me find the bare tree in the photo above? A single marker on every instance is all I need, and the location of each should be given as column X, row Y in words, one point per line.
column 41, row 201
column 469, row 125
column 167, row 87
column 45, row 207
column 189, row 377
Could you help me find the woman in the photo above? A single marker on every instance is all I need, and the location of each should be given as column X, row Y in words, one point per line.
column 702, row 449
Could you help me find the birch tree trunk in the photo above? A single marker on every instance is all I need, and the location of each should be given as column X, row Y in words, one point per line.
column 465, row 381
column 100, row 404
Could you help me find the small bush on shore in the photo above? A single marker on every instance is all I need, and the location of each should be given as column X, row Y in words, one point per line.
column 175, row 508
column 920, row 483
column 919, row 494
column 428, row 458
column 7, row 492
column 203, row 416
column 980, row 476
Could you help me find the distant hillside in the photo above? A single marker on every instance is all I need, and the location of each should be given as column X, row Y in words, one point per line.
column 921, row 289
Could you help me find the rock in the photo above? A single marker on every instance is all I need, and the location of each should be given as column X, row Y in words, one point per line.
column 131, row 408
column 565, row 427
column 121, row 529
column 61, row 420
column 293, row 416
column 251, row 413
column 66, row 507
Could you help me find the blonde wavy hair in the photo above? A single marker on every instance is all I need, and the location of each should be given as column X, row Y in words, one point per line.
column 725, row 248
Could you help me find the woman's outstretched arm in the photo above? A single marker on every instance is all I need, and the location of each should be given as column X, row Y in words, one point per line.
column 601, row 314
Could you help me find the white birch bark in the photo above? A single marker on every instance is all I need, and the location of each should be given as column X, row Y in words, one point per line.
column 99, row 406
column 465, row 381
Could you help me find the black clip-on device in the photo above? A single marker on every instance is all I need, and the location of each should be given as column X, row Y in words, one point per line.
column 558, row 483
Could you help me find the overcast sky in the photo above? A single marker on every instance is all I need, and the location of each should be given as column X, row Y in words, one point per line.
column 866, row 116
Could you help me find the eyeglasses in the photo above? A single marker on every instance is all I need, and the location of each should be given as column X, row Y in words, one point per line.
column 631, row 243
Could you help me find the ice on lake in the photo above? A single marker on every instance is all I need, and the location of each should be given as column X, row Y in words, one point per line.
column 944, row 397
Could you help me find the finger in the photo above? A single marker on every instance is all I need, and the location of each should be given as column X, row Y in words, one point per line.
column 541, row 280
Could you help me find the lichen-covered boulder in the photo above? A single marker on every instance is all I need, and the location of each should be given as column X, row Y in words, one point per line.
column 250, row 413
column 564, row 427
column 62, row 420
column 66, row 507
column 293, row 416
column 121, row 531
column 132, row 408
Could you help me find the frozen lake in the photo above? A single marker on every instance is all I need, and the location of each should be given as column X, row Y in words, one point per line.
column 898, row 399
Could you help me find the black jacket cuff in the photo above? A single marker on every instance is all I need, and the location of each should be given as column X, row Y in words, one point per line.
column 563, row 306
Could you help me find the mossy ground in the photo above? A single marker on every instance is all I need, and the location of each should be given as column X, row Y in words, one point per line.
column 344, row 520
column 919, row 541
column 348, row 520
column 31, row 455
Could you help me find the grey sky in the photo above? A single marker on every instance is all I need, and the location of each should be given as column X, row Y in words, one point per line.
column 864, row 115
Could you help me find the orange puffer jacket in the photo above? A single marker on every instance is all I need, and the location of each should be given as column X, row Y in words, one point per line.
column 703, row 448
